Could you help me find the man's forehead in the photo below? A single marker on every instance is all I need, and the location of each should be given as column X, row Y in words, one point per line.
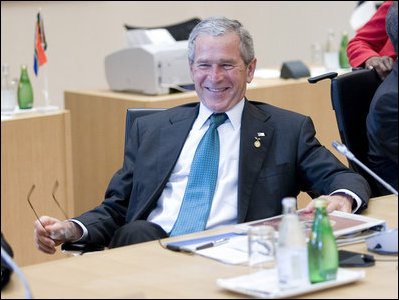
column 217, row 49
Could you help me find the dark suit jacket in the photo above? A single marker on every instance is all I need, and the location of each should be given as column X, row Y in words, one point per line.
column 289, row 160
column 382, row 129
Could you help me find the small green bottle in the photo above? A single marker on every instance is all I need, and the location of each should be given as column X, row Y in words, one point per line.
column 343, row 58
column 25, row 91
column 322, row 248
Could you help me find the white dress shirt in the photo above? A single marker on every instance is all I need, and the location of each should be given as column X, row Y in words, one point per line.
column 224, row 204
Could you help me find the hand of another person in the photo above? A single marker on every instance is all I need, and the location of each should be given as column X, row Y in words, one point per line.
column 56, row 232
column 383, row 65
column 339, row 202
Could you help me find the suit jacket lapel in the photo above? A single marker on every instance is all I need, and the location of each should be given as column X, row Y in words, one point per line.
column 172, row 139
column 254, row 121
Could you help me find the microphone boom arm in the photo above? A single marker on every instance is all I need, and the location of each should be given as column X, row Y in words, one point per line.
column 341, row 148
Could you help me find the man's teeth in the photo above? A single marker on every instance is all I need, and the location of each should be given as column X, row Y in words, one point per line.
column 216, row 90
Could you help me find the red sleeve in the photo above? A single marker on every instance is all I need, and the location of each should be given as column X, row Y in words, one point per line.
column 371, row 39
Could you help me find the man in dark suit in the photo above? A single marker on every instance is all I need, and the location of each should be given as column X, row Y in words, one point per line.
column 266, row 154
column 382, row 120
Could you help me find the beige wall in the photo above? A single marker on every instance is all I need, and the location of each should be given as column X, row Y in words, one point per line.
column 80, row 34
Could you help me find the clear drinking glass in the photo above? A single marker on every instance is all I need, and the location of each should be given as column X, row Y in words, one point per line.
column 261, row 246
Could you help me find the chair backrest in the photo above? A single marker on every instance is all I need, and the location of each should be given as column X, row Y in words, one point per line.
column 133, row 113
column 351, row 95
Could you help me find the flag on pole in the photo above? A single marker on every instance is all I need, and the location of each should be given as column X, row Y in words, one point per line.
column 40, row 45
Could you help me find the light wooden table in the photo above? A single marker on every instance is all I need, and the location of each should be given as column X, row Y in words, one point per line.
column 35, row 149
column 98, row 126
column 149, row 271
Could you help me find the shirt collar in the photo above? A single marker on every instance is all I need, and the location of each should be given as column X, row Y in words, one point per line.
column 234, row 114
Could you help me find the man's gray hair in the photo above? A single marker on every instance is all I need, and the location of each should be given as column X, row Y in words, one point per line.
column 217, row 26
column 391, row 25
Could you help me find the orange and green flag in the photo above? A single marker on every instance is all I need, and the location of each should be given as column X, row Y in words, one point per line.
column 40, row 46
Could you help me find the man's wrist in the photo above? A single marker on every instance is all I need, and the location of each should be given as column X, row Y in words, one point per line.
column 74, row 232
column 83, row 232
column 356, row 201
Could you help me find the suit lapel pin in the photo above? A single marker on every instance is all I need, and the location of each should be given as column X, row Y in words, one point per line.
column 257, row 143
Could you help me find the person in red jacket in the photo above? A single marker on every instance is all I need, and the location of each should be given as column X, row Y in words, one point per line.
column 371, row 46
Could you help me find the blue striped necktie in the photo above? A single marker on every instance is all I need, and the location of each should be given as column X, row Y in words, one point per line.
column 197, row 200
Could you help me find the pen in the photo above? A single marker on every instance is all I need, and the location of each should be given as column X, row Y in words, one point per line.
column 173, row 247
column 212, row 244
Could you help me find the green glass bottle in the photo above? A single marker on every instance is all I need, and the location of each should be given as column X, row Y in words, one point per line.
column 343, row 57
column 322, row 248
column 25, row 91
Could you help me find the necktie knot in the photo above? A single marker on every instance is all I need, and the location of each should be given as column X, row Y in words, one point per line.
column 218, row 119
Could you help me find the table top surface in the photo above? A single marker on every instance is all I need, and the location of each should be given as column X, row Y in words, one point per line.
column 147, row 270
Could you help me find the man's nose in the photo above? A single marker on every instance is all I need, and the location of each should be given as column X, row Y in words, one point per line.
column 216, row 73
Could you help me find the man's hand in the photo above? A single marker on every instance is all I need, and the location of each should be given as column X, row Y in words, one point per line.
column 340, row 202
column 54, row 233
column 383, row 65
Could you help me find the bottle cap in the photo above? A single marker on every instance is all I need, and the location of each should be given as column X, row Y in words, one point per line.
column 320, row 202
column 289, row 201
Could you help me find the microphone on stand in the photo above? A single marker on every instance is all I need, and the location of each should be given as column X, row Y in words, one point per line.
column 385, row 242
column 345, row 151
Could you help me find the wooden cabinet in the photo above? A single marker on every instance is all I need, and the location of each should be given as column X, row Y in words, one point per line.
column 35, row 149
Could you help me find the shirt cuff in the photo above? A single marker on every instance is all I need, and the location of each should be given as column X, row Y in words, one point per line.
column 356, row 204
column 84, row 229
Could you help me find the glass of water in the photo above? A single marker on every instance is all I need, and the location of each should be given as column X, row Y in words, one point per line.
column 261, row 246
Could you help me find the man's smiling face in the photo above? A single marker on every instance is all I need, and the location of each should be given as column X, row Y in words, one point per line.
column 219, row 72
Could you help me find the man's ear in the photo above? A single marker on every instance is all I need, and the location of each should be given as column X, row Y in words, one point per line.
column 251, row 70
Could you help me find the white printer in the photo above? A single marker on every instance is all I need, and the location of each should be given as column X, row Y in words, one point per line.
column 149, row 69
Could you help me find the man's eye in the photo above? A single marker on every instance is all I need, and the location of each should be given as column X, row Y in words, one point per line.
column 227, row 66
column 204, row 66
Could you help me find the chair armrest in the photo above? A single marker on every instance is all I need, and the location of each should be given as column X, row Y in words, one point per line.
column 329, row 75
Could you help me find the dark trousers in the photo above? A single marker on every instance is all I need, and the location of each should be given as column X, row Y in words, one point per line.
column 137, row 232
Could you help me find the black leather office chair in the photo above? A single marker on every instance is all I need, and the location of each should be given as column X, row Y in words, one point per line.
column 131, row 115
column 134, row 113
column 351, row 95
